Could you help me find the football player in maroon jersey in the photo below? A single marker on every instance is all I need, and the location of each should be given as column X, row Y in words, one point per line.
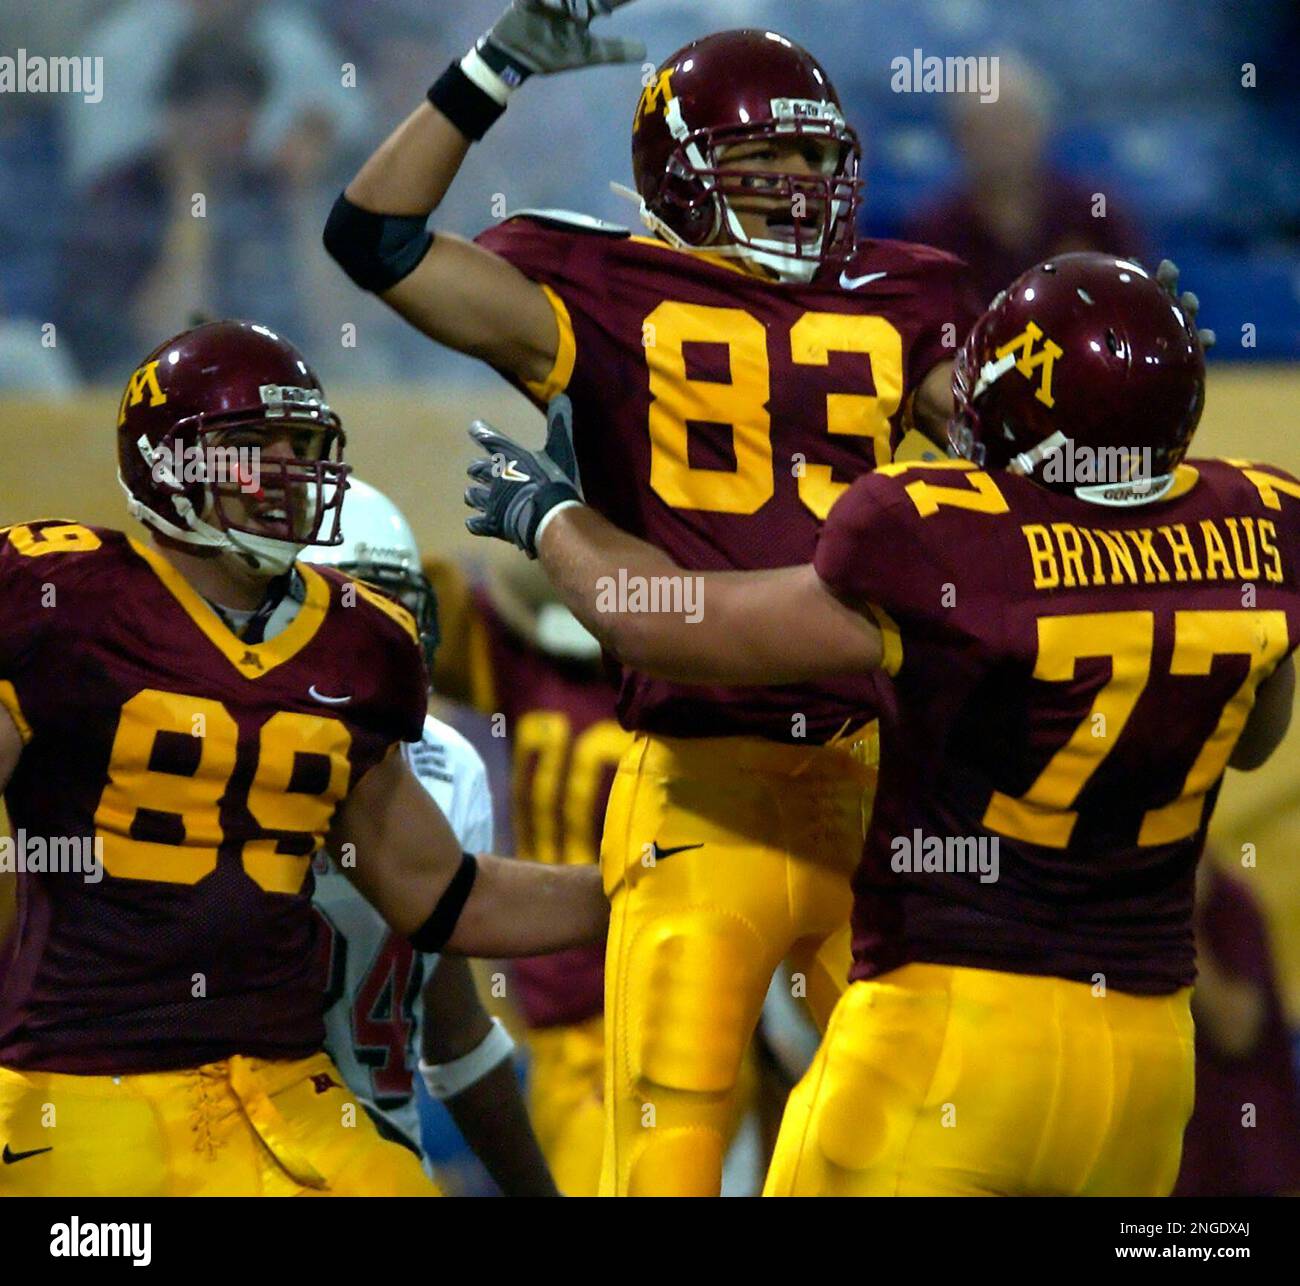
column 183, row 723
column 730, row 375
column 1083, row 630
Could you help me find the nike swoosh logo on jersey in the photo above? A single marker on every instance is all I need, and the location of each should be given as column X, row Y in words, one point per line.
column 852, row 283
column 511, row 474
column 329, row 701
column 10, row 1156
column 658, row 854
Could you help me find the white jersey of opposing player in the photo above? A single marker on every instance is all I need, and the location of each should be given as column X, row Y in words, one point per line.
column 373, row 1006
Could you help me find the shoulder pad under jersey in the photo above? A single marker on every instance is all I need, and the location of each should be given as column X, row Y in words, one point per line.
column 572, row 219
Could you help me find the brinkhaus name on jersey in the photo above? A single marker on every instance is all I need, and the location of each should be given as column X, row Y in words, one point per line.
column 1067, row 556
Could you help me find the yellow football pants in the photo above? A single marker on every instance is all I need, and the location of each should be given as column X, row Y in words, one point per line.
column 941, row 1081
column 241, row 1127
column 566, row 1083
column 721, row 857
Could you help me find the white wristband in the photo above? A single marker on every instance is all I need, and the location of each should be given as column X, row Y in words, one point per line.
column 485, row 78
column 549, row 514
column 446, row 1080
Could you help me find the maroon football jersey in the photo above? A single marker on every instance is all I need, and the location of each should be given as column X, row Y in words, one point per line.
column 719, row 415
column 566, row 744
column 210, row 770
column 1071, row 680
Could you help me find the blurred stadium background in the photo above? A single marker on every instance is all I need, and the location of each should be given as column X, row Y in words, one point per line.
column 1182, row 114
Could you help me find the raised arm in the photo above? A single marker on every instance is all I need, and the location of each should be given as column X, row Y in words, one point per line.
column 780, row 626
column 397, row 848
column 454, row 291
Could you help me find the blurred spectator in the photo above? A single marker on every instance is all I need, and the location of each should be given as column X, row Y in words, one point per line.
column 139, row 43
column 32, row 195
column 194, row 225
column 1013, row 209
column 1178, row 135
column 1243, row 1054
column 400, row 47
column 32, row 202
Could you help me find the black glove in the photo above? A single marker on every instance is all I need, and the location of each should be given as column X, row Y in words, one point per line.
column 1167, row 276
column 514, row 488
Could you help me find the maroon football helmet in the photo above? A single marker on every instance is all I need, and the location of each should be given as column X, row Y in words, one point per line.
column 1084, row 374
column 741, row 87
column 190, row 432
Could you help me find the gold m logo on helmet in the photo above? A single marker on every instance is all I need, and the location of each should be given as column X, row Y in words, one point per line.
column 656, row 95
column 1029, row 361
column 145, row 380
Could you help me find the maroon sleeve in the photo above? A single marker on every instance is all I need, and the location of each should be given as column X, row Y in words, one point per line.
column 24, row 619
column 552, row 252
column 37, row 594
column 411, row 693
column 406, row 692
column 1273, row 496
column 873, row 549
column 898, row 543
column 384, row 638
column 569, row 261
column 954, row 307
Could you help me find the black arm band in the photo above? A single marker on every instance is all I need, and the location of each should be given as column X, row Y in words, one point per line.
column 432, row 935
column 464, row 104
column 375, row 250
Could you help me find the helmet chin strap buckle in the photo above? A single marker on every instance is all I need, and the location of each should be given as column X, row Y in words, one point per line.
column 991, row 372
column 1027, row 461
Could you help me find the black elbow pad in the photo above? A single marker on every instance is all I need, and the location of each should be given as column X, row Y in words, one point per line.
column 375, row 250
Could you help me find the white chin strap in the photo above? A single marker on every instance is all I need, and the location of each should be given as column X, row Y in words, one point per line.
column 651, row 219
column 773, row 255
column 261, row 553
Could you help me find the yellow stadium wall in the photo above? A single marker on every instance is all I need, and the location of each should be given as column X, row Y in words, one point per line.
column 59, row 462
